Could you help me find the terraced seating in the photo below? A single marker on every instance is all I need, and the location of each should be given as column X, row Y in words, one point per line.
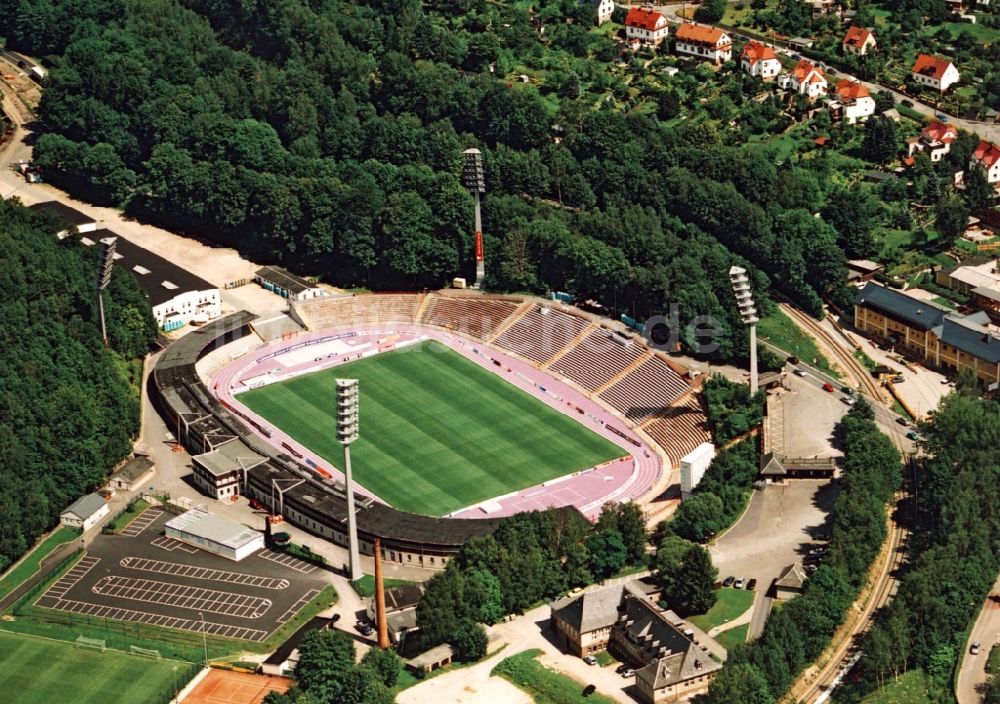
column 475, row 317
column 327, row 313
column 596, row 359
column 215, row 360
column 646, row 390
column 541, row 333
column 680, row 430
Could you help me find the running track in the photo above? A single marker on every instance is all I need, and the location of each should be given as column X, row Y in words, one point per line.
column 588, row 490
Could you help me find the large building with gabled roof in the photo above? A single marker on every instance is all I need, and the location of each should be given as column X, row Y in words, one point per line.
column 709, row 43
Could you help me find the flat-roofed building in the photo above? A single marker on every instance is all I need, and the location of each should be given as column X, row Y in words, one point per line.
column 215, row 534
column 286, row 284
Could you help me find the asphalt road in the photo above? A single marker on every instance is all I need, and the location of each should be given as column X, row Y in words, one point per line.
column 986, row 632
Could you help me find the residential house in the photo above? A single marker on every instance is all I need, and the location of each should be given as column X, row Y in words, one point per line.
column 400, row 613
column 934, row 335
column 602, row 10
column 980, row 281
column 85, row 512
column 858, row 41
column 759, row 61
column 669, row 666
column 704, row 42
column 644, row 25
column 987, row 157
column 585, row 621
column 805, row 79
column 854, row 103
column 935, row 73
column 935, row 139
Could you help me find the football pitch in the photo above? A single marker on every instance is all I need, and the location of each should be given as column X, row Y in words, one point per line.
column 438, row 432
column 36, row 671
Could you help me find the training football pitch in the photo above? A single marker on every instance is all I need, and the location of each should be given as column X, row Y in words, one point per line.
column 36, row 671
column 438, row 432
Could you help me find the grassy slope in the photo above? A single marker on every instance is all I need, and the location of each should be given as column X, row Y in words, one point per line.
column 46, row 672
column 731, row 603
column 544, row 685
column 438, row 431
column 733, row 637
column 31, row 563
column 779, row 330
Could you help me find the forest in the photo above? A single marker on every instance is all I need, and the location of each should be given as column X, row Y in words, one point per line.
column 69, row 406
column 328, row 137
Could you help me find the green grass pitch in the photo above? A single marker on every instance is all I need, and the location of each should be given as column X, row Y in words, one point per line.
column 36, row 671
column 438, row 432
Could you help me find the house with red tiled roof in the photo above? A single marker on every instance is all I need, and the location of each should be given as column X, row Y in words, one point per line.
column 704, row 42
column 935, row 139
column 987, row 157
column 934, row 72
column 759, row 61
column 853, row 101
column 805, row 79
column 646, row 26
column 858, row 41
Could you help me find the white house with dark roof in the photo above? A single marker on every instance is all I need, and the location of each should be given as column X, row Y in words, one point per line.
column 85, row 512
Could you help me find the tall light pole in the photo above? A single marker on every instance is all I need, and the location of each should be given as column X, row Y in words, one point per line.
column 347, row 432
column 106, row 260
column 204, row 637
column 474, row 180
column 748, row 313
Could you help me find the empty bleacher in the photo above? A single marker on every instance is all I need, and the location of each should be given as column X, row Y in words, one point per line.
column 596, row 359
column 476, row 317
column 327, row 313
column 680, row 429
column 215, row 360
column 541, row 333
column 646, row 390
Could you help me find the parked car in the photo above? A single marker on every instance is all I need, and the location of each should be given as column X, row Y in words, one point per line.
column 974, row 650
column 575, row 592
column 847, row 390
column 627, row 672
column 907, row 103
column 589, row 689
column 621, row 668
column 256, row 505
column 751, row 585
column 898, row 379
column 792, row 360
column 365, row 629
column 818, row 551
column 811, row 568
column 728, row 581
column 590, row 660
column 800, row 372
column 848, row 400
column 738, row 584
column 903, row 422
column 913, row 436
column 797, row 57
column 941, row 117
column 827, row 386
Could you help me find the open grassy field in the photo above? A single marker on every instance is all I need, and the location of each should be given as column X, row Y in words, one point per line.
column 730, row 604
column 729, row 639
column 544, row 685
column 438, row 432
column 36, row 671
column 779, row 330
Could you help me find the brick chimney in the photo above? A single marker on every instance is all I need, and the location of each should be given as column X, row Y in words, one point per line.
column 380, row 622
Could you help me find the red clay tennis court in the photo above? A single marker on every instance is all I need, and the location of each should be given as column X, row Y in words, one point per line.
column 225, row 687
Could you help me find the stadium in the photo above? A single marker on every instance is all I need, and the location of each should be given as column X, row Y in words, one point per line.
column 473, row 407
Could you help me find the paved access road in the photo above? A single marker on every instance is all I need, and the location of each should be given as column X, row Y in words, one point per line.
column 986, row 632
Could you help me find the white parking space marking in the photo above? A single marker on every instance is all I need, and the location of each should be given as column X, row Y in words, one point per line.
column 294, row 608
column 68, row 581
column 194, row 598
column 173, row 568
column 142, row 522
column 288, row 561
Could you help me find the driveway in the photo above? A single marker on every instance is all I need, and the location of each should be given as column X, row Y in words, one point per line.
column 986, row 631
column 779, row 526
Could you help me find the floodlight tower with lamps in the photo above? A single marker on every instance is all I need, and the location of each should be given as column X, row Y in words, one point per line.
column 748, row 313
column 105, row 261
column 474, row 180
column 347, row 432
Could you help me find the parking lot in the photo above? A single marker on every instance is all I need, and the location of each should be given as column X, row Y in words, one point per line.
column 142, row 576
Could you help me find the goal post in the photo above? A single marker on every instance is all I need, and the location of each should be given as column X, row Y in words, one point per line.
column 145, row 652
column 91, row 643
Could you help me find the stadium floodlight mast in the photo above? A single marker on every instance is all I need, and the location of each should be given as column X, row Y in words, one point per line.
column 105, row 262
column 748, row 313
column 473, row 179
column 347, row 432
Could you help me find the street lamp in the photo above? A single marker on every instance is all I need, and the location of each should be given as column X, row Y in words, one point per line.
column 748, row 314
column 473, row 179
column 347, row 432
column 105, row 261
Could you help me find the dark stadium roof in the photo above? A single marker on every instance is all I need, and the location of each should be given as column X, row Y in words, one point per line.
column 284, row 278
column 70, row 217
column 157, row 270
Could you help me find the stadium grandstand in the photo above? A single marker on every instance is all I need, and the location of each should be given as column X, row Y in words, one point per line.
column 612, row 368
